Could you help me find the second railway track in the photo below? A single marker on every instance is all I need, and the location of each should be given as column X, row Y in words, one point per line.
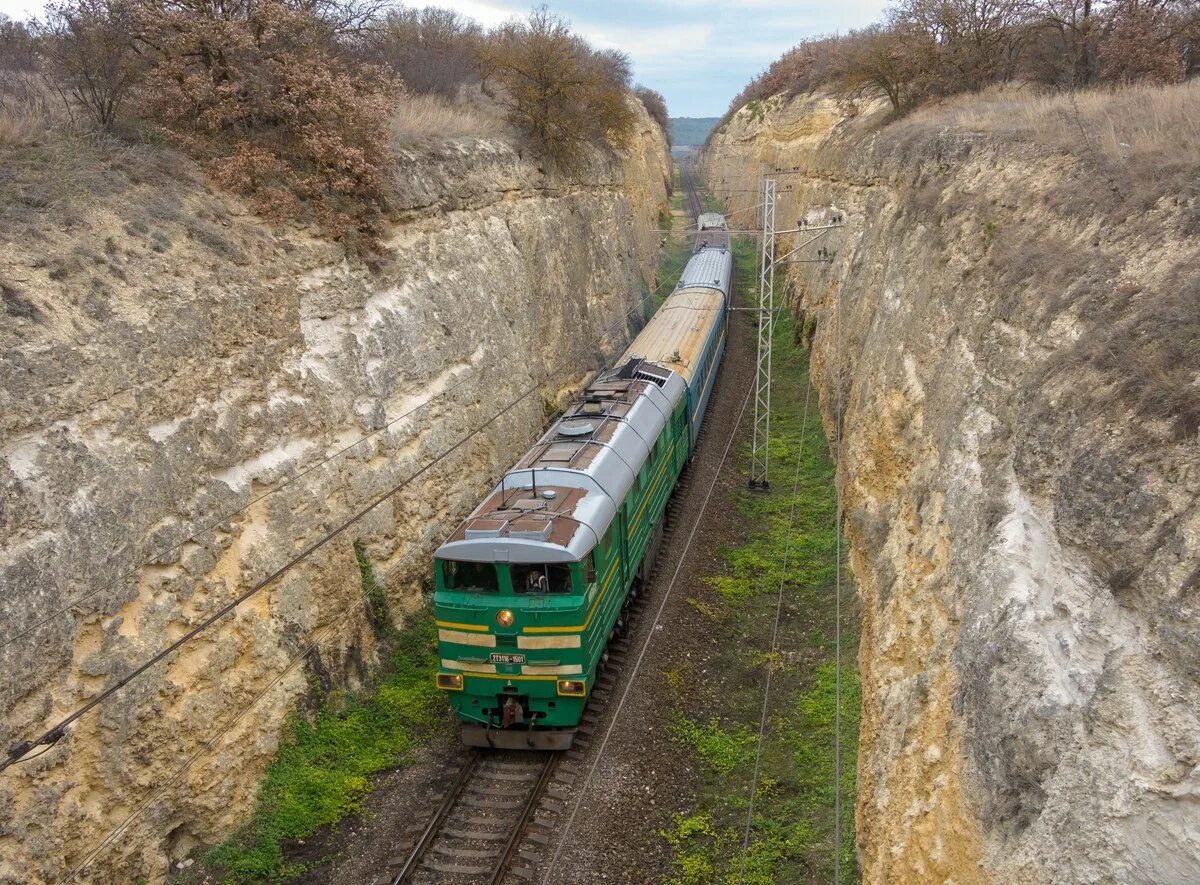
column 691, row 196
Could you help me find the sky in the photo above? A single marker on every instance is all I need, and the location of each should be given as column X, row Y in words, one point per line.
column 697, row 53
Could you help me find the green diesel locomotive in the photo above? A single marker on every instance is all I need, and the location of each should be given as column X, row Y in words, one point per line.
column 533, row 584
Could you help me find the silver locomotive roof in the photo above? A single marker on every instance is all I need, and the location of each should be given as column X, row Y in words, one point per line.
column 710, row 221
column 558, row 501
column 561, row 497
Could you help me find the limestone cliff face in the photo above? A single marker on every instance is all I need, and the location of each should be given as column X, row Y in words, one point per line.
column 170, row 359
column 1002, row 324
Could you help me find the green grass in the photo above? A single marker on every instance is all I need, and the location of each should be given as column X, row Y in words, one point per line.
column 791, row 837
column 672, row 259
column 324, row 767
column 719, row 749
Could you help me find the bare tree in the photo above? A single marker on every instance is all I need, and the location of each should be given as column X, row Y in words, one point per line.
column 91, row 49
column 432, row 50
column 889, row 61
column 17, row 50
column 973, row 42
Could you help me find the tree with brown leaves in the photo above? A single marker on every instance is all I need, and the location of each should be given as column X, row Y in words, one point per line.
column 258, row 92
column 566, row 97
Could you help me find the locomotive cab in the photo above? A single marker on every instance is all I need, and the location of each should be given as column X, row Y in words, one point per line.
column 515, row 678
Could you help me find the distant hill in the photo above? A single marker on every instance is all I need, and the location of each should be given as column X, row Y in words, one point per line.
column 691, row 130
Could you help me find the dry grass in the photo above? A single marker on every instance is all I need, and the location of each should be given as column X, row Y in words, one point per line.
column 28, row 111
column 1124, row 126
column 422, row 120
column 1139, row 146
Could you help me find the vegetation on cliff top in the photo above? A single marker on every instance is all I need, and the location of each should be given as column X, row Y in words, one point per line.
column 791, row 837
column 296, row 104
column 927, row 49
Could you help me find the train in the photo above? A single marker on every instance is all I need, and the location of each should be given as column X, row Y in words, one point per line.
column 530, row 589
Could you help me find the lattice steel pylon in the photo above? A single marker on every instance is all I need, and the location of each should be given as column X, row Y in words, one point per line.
column 760, row 455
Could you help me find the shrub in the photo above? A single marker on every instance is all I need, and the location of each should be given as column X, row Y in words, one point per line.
column 656, row 107
column 432, row 50
column 90, row 48
column 258, row 92
column 936, row 48
column 558, row 91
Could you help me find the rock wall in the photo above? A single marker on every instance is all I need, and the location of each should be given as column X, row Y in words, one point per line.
column 1007, row 331
column 179, row 376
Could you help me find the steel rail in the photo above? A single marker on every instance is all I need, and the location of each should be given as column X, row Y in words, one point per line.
column 514, row 837
column 439, row 819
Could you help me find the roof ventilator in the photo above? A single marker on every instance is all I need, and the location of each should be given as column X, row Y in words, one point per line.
column 486, row 528
column 530, row 528
column 576, row 427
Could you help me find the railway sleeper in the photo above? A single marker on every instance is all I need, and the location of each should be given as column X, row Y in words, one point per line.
column 475, row 801
column 475, row 835
column 468, row 853
column 456, row 869
column 502, row 791
column 524, row 776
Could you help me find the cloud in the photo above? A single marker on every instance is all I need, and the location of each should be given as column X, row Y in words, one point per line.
column 486, row 13
column 646, row 45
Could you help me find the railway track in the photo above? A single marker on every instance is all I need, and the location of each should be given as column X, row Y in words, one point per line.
column 502, row 807
column 691, row 197
column 501, row 813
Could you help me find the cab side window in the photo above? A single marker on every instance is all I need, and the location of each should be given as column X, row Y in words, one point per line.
column 537, row 579
column 471, row 577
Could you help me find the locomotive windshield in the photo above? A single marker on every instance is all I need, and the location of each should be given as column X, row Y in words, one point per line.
column 473, row 577
column 535, row 579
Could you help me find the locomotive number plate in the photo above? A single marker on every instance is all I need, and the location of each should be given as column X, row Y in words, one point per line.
column 498, row 658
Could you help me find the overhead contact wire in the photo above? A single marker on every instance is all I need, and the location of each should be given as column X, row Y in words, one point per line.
column 55, row 733
column 471, row 374
column 562, row 838
column 837, row 629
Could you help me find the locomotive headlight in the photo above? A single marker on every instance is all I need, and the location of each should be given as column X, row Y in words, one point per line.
column 504, row 618
column 573, row 688
column 450, row 681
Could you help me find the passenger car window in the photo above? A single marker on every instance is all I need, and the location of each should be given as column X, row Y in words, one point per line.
column 477, row 577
